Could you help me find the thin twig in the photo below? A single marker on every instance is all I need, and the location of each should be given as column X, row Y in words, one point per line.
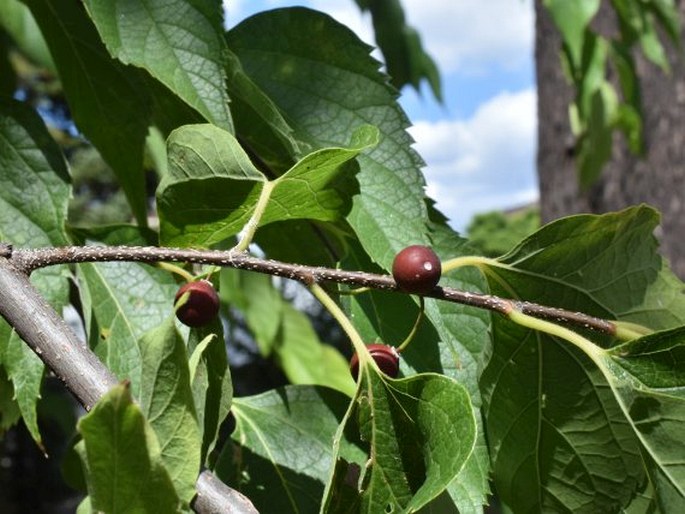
column 31, row 259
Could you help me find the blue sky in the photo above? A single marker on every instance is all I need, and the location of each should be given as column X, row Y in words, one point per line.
column 479, row 146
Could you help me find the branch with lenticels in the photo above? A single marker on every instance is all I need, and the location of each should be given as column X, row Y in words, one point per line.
column 28, row 260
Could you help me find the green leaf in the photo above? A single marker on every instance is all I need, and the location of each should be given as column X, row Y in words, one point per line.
column 464, row 334
column 306, row 186
column 182, row 47
column 292, row 241
column 597, row 111
column 452, row 340
column 419, row 432
column 637, row 23
column 558, row 437
column 121, row 301
column 558, row 440
column 493, row 233
column 127, row 300
column 406, row 61
column 210, row 379
column 169, row 112
column 166, row 400
column 325, row 94
column 17, row 20
column 8, row 77
column 577, row 257
column 667, row 13
column 656, row 360
column 85, row 506
column 630, row 111
column 596, row 144
column 592, row 76
column 652, row 48
column 572, row 20
column 647, row 375
column 35, row 185
column 212, row 187
column 259, row 124
column 126, row 472
column 286, row 333
column 34, row 194
column 114, row 235
column 307, row 360
column 284, row 449
column 9, row 410
column 209, row 188
column 107, row 100
column 25, row 370
column 260, row 302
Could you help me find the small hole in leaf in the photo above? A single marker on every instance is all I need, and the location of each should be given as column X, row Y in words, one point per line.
column 389, row 508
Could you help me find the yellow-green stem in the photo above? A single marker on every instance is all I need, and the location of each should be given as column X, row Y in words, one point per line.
column 250, row 227
column 625, row 331
column 588, row 347
column 187, row 276
column 353, row 292
column 183, row 299
column 343, row 320
column 209, row 272
column 470, row 260
column 414, row 329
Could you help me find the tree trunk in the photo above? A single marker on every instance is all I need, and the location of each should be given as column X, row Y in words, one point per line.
column 657, row 179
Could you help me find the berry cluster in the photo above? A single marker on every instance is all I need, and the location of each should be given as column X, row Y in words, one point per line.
column 416, row 269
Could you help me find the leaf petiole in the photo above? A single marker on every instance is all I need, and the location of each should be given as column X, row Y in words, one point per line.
column 251, row 226
column 400, row 348
column 625, row 331
column 173, row 268
column 478, row 261
column 588, row 347
column 345, row 323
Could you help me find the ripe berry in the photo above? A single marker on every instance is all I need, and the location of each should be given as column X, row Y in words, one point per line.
column 386, row 357
column 416, row 269
column 202, row 305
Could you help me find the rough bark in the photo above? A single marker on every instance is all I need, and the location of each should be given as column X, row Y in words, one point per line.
column 658, row 179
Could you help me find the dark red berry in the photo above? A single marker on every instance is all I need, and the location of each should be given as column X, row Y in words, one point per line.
column 202, row 305
column 416, row 269
column 386, row 357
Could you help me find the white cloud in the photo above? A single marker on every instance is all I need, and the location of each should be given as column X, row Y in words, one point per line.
column 484, row 162
column 468, row 35
column 233, row 11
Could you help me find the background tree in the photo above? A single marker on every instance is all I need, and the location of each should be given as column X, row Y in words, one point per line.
column 655, row 176
column 496, row 232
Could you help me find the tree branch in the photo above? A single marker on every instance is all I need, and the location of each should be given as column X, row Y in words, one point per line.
column 37, row 323
column 48, row 335
column 31, row 259
column 215, row 497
